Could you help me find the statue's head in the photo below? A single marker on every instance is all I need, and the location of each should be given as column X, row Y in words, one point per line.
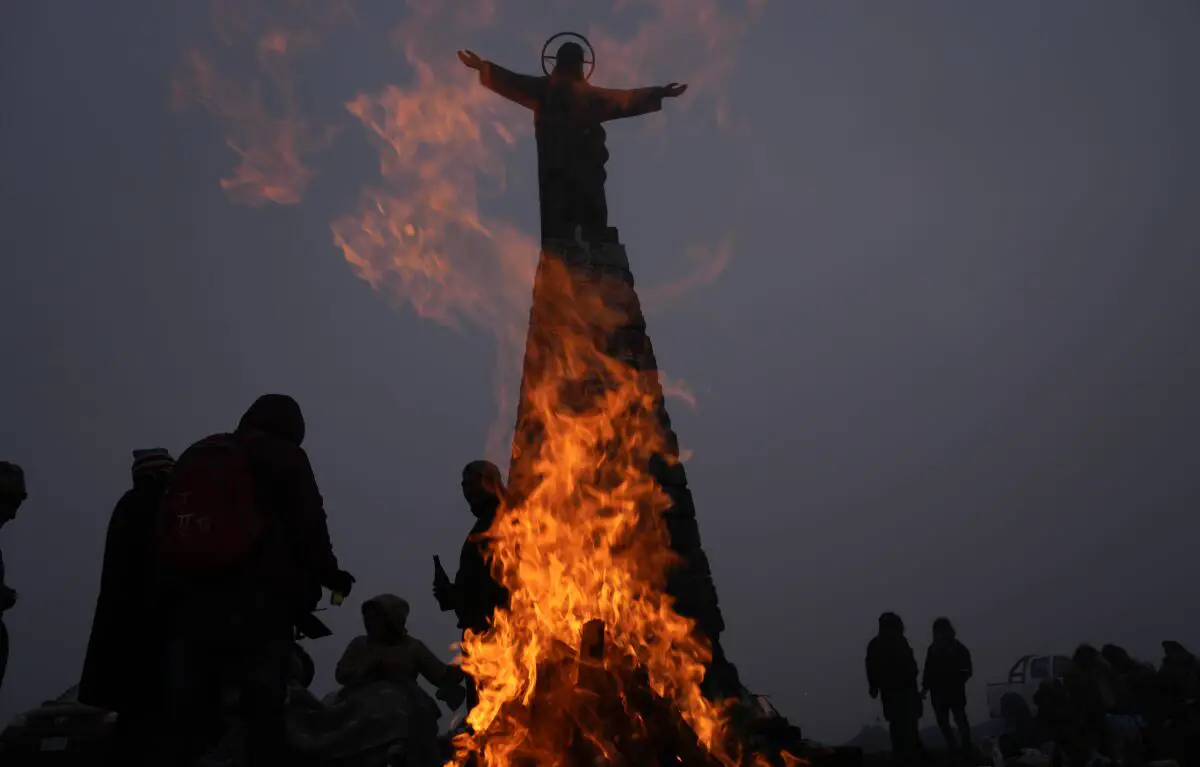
column 568, row 62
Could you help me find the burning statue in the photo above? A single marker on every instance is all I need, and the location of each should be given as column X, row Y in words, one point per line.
column 608, row 652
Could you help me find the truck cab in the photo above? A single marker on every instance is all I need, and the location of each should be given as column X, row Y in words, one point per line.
column 1024, row 678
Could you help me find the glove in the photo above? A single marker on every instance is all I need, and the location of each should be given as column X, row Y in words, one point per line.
column 341, row 582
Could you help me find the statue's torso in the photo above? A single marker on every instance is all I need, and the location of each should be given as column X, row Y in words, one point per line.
column 570, row 136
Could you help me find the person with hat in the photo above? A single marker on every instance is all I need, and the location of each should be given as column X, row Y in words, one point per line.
column 12, row 495
column 125, row 649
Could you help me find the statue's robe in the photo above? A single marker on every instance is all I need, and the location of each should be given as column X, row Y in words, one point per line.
column 568, row 116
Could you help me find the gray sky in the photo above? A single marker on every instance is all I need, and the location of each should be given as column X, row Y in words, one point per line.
column 949, row 369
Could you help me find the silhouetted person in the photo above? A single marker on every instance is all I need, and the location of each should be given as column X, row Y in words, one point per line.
column 1135, row 682
column 246, row 550
column 1020, row 727
column 1133, row 685
column 122, row 670
column 474, row 594
column 12, row 495
column 947, row 669
column 892, row 677
column 1178, row 684
column 568, row 115
column 1179, row 673
column 1058, row 721
column 1092, row 688
column 388, row 653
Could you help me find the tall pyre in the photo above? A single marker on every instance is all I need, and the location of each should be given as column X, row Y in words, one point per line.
column 609, row 650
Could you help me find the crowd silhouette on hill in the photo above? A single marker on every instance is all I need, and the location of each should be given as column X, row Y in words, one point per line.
column 1105, row 707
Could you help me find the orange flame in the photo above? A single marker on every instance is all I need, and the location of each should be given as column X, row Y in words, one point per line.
column 586, row 540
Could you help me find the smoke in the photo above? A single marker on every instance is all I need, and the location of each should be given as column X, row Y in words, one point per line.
column 417, row 231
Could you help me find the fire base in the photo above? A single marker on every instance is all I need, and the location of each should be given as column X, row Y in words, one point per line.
column 602, row 270
column 591, row 707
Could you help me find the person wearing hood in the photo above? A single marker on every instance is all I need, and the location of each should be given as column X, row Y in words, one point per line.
column 126, row 643
column 12, row 495
column 379, row 671
column 244, row 552
column 947, row 670
column 892, row 677
column 388, row 653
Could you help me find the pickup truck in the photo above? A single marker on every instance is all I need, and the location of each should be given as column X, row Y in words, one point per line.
column 1023, row 680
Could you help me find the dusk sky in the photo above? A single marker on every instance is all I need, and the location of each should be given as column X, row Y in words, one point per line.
column 930, row 270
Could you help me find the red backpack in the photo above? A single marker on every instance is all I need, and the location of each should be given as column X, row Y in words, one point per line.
column 211, row 521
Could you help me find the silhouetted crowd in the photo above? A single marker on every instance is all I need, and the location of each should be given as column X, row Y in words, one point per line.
column 1105, row 706
column 213, row 567
column 1110, row 705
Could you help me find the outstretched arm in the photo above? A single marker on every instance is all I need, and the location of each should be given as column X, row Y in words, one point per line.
column 616, row 104
column 525, row 90
column 435, row 672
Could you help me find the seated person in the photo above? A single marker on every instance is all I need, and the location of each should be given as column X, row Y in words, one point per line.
column 387, row 653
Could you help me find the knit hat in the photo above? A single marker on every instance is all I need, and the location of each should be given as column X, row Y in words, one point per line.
column 151, row 461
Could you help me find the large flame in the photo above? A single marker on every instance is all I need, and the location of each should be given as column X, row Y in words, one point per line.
column 586, row 540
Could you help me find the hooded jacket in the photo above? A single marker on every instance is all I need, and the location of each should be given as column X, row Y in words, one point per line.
column 947, row 667
column 299, row 556
column 892, row 669
column 294, row 558
column 392, row 655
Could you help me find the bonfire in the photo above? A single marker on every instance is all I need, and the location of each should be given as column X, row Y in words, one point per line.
column 590, row 664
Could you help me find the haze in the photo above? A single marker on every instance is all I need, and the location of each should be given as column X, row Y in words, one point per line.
column 950, row 367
